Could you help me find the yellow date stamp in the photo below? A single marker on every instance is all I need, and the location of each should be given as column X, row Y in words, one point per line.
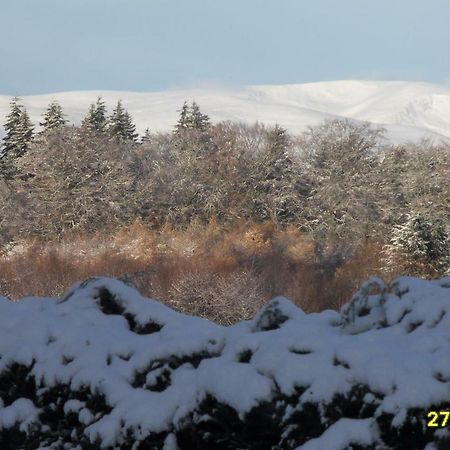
column 438, row 419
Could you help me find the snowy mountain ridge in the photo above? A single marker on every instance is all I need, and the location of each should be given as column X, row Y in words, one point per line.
column 408, row 110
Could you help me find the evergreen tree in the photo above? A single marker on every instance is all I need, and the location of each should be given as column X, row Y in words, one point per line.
column 191, row 118
column 184, row 122
column 198, row 120
column 423, row 243
column 121, row 125
column 11, row 139
column 19, row 131
column 53, row 117
column 274, row 179
column 26, row 131
column 277, row 160
column 147, row 136
column 96, row 118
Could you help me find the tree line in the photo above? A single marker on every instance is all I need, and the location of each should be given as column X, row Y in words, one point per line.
column 20, row 130
column 340, row 182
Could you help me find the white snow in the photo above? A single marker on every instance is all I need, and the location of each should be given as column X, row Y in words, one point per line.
column 395, row 342
column 341, row 434
column 22, row 411
column 73, row 406
column 408, row 110
column 170, row 443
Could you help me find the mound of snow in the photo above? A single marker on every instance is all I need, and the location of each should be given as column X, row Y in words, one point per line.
column 408, row 110
column 104, row 367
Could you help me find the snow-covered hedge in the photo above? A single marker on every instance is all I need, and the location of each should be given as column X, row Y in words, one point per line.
column 104, row 367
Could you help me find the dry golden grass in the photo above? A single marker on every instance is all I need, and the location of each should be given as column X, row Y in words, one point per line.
column 222, row 273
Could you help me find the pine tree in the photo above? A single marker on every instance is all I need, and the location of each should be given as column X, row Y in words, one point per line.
column 121, row 125
column 191, row 118
column 184, row 122
column 274, row 179
column 10, row 141
column 19, row 131
column 277, row 160
column 424, row 244
column 147, row 136
column 26, row 131
column 53, row 117
column 96, row 118
column 198, row 120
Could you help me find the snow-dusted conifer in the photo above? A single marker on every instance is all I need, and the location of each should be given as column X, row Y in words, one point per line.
column 26, row 131
column 96, row 117
column 121, row 125
column 147, row 136
column 11, row 139
column 184, row 122
column 191, row 118
column 423, row 242
column 19, row 131
column 53, row 117
column 199, row 121
column 277, row 160
column 273, row 179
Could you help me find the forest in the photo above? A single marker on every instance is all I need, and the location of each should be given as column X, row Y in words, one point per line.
column 217, row 218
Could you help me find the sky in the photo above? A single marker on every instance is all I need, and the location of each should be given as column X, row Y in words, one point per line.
column 150, row 45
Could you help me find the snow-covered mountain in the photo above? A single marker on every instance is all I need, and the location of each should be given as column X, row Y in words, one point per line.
column 408, row 110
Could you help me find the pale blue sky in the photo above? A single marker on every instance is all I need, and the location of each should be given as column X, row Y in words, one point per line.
column 144, row 45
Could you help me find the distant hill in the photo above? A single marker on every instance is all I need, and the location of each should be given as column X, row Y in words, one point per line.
column 408, row 110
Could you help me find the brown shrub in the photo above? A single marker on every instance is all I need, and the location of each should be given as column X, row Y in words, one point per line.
column 43, row 270
column 225, row 299
column 221, row 273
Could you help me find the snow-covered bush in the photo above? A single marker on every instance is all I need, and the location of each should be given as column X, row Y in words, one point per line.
column 103, row 367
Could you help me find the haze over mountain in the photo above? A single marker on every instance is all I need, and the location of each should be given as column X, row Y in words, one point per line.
column 408, row 110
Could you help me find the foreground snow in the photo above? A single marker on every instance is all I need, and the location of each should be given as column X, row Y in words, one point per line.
column 408, row 110
column 118, row 368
